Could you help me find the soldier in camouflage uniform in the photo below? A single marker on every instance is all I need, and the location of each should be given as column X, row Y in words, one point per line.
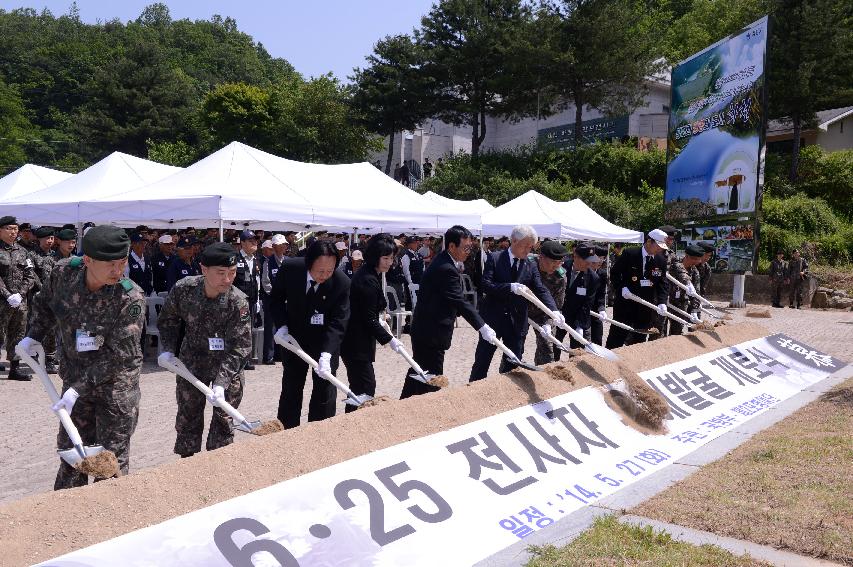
column 215, row 347
column 705, row 267
column 553, row 275
column 778, row 273
column 45, row 258
column 98, row 316
column 685, row 271
column 798, row 271
column 17, row 278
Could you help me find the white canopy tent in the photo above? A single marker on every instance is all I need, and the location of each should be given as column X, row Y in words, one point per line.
column 241, row 186
column 59, row 203
column 477, row 206
column 552, row 219
column 28, row 179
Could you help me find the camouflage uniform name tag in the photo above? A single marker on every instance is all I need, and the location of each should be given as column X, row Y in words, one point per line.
column 86, row 342
column 216, row 343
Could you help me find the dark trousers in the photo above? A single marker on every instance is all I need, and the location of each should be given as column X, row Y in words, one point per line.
column 596, row 331
column 796, row 291
column 270, row 347
column 485, row 351
column 778, row 285
column 431, row 359
column 322, row 403
column 362, row 379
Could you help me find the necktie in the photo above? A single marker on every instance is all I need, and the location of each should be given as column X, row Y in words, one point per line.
column 648, row 268
column 572, row 278
column 514, row 270
column 309, row 295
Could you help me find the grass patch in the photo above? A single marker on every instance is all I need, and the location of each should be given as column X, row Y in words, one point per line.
column 610, row 542
column 790, row 486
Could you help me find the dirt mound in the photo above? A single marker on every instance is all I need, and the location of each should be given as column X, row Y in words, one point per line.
column 267, row 427
column 375, row 402
column 841, row 396
column 102, row 465
column 439, row 381
column 758, row 313
column 560, row 372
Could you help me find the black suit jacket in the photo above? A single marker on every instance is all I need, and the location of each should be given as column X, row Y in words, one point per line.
column 500, row 301
column 576, row 306
column 628, row 272
column 291, row 307
column 366, row 303
column 440, row 302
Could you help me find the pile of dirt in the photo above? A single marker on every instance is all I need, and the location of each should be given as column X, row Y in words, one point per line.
column 758, row 313
column 439, row 381
column 267, row 427
column 375, row 402
column 102, row 465
column 840, row 396
column 560, row 372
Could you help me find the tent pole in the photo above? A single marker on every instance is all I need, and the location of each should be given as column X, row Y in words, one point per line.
column 221, row 232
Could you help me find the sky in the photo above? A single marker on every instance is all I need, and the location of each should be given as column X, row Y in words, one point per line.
column 316, row 36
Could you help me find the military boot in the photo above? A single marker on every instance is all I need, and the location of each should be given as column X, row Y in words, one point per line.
column 16, row 374
column 50, row 366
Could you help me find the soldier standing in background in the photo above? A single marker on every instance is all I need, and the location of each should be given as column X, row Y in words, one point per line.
column 412, row 263
column 139, row 268
column 45, row 260
column 161, row 262
column 778, row 273
column 553, row 277
column 66, row 243
column 705, row 267
column 685, row 271
column 98, row 315
column 798, row 269
column 596, row 326
column 17, row 278
column 249, row 280
column 182, row 265
column 27, row 238
column 216, row 343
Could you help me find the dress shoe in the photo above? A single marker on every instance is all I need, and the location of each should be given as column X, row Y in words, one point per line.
column 249, row 366
column 269, row 362
column 16, row 374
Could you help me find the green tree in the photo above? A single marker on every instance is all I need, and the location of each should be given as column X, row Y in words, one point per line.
column 471, row 52
column 599, row 54
column 237, row 112
column 178, row 153
column 390, row 93
column 811, row 66
column 15, row 130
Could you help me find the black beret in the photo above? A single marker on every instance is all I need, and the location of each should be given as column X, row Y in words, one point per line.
column 106, row 242
column 668, row 229
column 707, row 246
column 136, row 237
column 695, row 250
column 553, row 250
column 218, row 254
column 186, row 242
column 69, row 225
column 66, row 234
column 43, row 232
column 7, row 220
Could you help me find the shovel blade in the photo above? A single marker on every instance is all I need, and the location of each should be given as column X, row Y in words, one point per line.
column 526, row 365
column 72, row 456
column 248, row 426
column 359, row 400
column 425, row 377
column 601, row 352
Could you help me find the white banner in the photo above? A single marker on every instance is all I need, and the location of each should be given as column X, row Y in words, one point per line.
column 461, row 495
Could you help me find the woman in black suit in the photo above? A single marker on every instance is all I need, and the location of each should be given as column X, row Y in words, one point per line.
column 358, row 350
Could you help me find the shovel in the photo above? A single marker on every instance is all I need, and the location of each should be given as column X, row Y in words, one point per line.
column 352, row 398
column 254, row 427
column 668, row 315
column 591, row 348
column 513, row 358
column 79, row 453
column 549, row 337
column 419, row 374
column 689, row 316
column 701, row 299
column 616, row 323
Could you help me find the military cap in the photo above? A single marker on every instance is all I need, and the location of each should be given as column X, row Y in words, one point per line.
column 278, row 239
column 695, row 250
column 668, row 229
column 66, row 234
column 247, row 235
column 707, row 246
column 218, row 254
column 43, row 232
column 601, row 251
column 106, row 242
column 412, row 238
column 584, row 251
column 142, row 228
column 136, row 237
column 7, row 220
column 69, row 225
column 553, row 250
column 186, row 242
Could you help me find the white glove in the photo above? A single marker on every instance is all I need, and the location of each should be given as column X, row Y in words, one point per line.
column 626, row 293
column 324, row 363
column 166, row 358
column 559, row 318
column 218, row 395
column 283, row 334
column 396, row 344
column 662, row 309
column 546, row 329
column 15, row 299
column 488, row 334
column 257, row 308
column 67, row 401
column 29, row 345
column 414, row 287
column 603, row 313
column 517, row 288
column 690, row 289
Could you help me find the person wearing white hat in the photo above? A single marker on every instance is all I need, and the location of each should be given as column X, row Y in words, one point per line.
column 640, row 271
column 279, row 246
column 161, row 263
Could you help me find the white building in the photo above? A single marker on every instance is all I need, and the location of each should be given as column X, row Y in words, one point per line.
column 834, row 132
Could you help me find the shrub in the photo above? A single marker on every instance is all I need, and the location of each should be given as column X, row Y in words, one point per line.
column 801, row 214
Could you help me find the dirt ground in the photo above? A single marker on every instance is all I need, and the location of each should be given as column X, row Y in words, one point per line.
column 790, row 486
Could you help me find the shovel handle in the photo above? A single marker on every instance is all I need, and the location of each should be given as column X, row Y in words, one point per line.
column 612, row 321
column 404, row 353
column 682, row 313
column 62, row 413
column 185, row 373
column 531, row 297
column 668, row 315
column 548, row 336
column 693, row 294
column 294, row 347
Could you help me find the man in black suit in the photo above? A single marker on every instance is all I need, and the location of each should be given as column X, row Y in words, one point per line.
column 502, row 308
column 248, row 281
column 440, row 302
column 582, row 287
column 139, row 268
column 310, row 302
column 161, row 262
column 596, row 326
column 641, row 271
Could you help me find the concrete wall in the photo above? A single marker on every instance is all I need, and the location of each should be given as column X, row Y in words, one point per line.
column 838, row 136
column 757, row 290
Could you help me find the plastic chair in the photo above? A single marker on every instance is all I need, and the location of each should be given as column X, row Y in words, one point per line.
column 154, row 304
column 400, row 313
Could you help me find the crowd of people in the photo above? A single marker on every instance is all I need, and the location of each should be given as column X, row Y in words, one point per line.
column 326, row 293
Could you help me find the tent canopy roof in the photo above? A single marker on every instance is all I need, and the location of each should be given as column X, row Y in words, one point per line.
column 28, row 179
